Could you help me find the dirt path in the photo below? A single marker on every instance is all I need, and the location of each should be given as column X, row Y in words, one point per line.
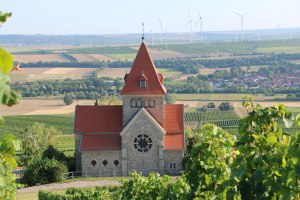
column 77, row 184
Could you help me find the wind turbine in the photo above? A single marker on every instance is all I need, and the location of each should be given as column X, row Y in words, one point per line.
column 166, row 39
column 242, row 23
column 151, row 30
column 161, row 31
column 191, row 23
column 200, row 20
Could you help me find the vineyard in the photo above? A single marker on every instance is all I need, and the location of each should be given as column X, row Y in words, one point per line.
column 17, row 124
column 228, row 120
column 66, row 144
column 208, row 116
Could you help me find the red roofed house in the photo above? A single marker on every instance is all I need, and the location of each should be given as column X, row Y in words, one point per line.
column 143, row 134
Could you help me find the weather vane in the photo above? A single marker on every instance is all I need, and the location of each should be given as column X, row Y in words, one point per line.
column 143, row 36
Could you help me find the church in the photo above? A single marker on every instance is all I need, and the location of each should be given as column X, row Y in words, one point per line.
column 143, row 134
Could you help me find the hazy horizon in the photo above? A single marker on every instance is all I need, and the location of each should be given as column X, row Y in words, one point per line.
column 125, row 17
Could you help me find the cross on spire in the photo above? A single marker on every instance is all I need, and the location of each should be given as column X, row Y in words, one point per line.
column 143, row 36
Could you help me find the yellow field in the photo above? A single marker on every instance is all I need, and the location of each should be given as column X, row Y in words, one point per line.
column 34, row 106
column 31, row 74
column 113, row 72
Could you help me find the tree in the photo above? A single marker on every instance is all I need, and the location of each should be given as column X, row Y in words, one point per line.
column 170, row 98
column 207, row 167
column 8, row 147
column 269, row 161
column 44, row 171
column 35, row 139
column 225, row 106
column 211, row 105
column 68, row 99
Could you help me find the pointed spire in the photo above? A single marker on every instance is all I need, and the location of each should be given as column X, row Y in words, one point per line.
column 144, row 65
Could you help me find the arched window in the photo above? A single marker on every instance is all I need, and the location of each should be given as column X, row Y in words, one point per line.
column 152, row 103
column 147, row 103
column 143, row 83
column 139, row 103
column 133, row 103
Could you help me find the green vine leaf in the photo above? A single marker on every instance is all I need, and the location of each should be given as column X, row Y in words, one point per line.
column 6, row 61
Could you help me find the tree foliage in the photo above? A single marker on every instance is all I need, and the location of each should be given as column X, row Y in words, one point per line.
column 44, row 171
column 268, row 164
column 170, row 98
column 68, row 99
column 207, row 168
column 153, row 187
column 35, row 139
column 8, row 147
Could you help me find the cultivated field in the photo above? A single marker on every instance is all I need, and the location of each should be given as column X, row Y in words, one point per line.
column 113, row 72
column 31, row 74
column 35, row 106
column 91, row 57
column 40, row 58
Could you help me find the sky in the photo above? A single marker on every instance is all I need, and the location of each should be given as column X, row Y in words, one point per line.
column 126, row 16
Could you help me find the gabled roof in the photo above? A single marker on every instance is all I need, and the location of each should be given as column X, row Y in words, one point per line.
column 173, row 121
column 144, row 112
column 143, row 64
column 110, row 141
column 98, row 119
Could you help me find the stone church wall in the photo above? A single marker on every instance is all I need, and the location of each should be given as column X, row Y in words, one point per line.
column 157, row 111
column 173, row 156
column 139, row 160
column 99, row 156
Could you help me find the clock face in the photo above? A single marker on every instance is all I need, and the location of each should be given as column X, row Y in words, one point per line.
column 142, row 143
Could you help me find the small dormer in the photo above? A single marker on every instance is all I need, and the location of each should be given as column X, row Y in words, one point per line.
column 143, row 81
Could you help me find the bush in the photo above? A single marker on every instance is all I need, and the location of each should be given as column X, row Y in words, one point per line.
column 53, row 153
column 44, row 171
column 225, row 106
column 211, row 105
column 153, row 187
column 68, row 99
column 106, row 192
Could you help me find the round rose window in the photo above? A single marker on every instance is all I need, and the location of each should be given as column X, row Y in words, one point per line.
column 142, row 143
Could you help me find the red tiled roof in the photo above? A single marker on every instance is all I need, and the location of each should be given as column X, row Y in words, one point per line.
column 173, row 122
column 98, row 119
column 174, row 141
column 100, row 142
column 143, row 65
column 174, row 126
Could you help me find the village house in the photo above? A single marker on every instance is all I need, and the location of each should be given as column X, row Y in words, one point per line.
column 142, row 134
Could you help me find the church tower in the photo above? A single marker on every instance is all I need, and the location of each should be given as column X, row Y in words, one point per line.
column 143, row 88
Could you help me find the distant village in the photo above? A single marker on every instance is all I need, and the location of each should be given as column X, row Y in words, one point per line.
column 256, row 80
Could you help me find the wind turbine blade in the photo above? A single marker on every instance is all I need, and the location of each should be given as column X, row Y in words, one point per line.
column 238, row 14
column 199, row 14
column 187, row 24
column 159, row 21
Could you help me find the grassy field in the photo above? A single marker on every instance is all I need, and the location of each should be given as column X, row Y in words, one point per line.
column 288, row 46
column 16, row 124
column 103, row 50
column 224, row 97
column 120, row 56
